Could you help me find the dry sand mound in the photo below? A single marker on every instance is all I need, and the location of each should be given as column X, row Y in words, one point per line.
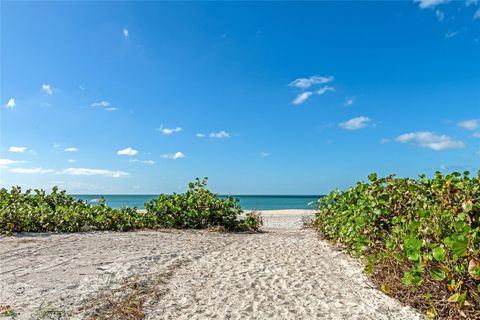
column 284, row 273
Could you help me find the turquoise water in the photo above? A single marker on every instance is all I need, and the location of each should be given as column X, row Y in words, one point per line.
column 248, row 202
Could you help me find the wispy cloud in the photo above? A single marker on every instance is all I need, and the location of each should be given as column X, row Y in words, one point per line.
column 429, row 3
column 125, row 32
column 17, row 149
column 440, row 15
column 356, row 123
column 10, row 104
column 71, row 160
column 264, row 154
column 476, row 135
column 200, row 135
column 93, row 172
column 103, row 104
column 81, row 88
column 349, row 101
column 324, row 90
column 302, row 97
column 219, row 135
column 71, row 149
column 127, row 152
column 141, row 161
column 47, row 89
column 168, row 131
column 4, row 163
column 304, row 83
column 471, row 124
column 476, row 15
column 176, row 155
column 451, row 34
column 31, row 170
column 430, row 140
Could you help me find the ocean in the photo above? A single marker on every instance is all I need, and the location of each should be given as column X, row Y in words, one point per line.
column 248, row 202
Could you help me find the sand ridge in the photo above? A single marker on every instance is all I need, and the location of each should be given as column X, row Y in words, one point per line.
column 285, row 272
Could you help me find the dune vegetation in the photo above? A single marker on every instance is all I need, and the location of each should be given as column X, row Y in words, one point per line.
column 420, row 238
column 197, row 208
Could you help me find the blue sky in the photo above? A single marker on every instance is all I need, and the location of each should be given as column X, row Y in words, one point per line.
column 263, row 98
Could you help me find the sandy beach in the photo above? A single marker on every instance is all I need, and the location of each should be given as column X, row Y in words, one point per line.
column 285, row 272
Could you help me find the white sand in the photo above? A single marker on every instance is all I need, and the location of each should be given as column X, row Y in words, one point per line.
column 284, row 273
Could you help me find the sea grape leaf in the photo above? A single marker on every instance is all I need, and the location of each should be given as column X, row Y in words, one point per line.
column 437, row 274
column 412, row 249
column 439, row 253
column 459, row 246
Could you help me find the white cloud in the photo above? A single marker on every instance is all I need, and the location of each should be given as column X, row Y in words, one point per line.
column 10, row 104
column 127, row 152
column 17, row 149
column 56, row 145
column 476, row 15
column 125, row 32
column 176, row 155
column 429, row 3
column 141, row 161
column 81, row 88
column 219, row 135
column 476, row 134
column 440, row 15
column 349, row 101
column 324, row 90
column 304, row 83
column 101, row 104
column 71, row 149
column 426, row 139
column 302, row 97
column 4, row 163
column 450, row 34
column 104, row 104
column 264, row 154
column 168, row 131
column 200, row 135
column 31, row 170
column 471, row 124
column 385, row 140
column 355, row 123
column 47, row 89
column 93, row 172
column 71, row 160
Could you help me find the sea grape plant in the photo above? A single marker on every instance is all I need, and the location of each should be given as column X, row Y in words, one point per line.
column 200, row 208
column 431, row 226
column 38, row 211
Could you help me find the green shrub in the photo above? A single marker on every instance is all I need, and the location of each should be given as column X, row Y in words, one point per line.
column 58, row 212
column 429, row 227
column 198, row 208
column 37, row 211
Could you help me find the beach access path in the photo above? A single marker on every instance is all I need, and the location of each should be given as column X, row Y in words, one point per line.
column 285, row 272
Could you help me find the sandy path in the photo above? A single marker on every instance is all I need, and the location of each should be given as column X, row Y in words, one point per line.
column 283, row 273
